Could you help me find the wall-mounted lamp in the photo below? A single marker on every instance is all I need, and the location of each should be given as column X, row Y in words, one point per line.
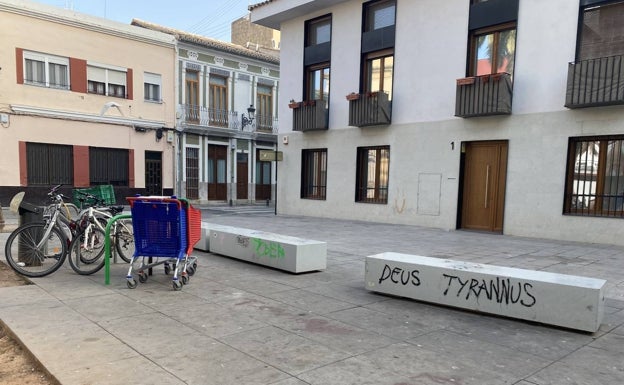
column 248, row 120
column 159, row 134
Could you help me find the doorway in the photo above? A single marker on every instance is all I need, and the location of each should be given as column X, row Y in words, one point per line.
column 153, row 173
column 217, row 173
column 242, row 169
column 483, row 185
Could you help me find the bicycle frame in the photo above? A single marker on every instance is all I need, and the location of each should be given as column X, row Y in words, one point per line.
column 55, row 219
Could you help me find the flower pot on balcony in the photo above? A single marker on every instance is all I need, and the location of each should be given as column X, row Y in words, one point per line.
column 294, row 104
column 465, row 81
column 353, row 96
column 309, row 103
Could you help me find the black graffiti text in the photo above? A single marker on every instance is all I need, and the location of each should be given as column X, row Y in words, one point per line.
column 399, row 275
column 501, row 290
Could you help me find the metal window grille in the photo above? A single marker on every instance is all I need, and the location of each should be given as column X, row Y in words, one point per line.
column 108, row 166
column 314, row 170
column 595, row 180
column 192, row 173
column 49, row 164
column 373, row 166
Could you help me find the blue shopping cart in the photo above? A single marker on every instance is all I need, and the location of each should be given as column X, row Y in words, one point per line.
column 163, row 236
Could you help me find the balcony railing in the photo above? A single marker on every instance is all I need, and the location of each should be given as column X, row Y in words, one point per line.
column 369, row 109
column 484, row 95
column 211, row 117
column 595, row 82
column 265, row 124
column 309, row 115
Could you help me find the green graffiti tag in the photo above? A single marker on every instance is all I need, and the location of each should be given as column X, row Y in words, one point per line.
column 268, row 249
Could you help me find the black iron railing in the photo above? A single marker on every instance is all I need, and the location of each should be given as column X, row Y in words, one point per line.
column 309, row 115
column 369, row 109
column 595, row 82
column 484, row 95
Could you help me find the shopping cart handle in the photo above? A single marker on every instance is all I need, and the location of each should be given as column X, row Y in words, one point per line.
column 146, row 199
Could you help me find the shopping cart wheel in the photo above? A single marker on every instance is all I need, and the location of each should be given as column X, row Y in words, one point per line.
column 190, row 270
column 132, row 284
column 167, row 269
column 177, row 285
column 142, row 277
column 184, row 279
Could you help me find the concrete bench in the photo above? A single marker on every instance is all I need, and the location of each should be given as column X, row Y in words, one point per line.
column 550, row 298
column 204, row 240
column 292, row 254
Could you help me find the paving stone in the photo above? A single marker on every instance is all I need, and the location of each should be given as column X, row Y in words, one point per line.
column 284, row 350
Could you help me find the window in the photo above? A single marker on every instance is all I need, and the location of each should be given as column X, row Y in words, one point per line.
column 373, row 166
column 218, row 101
column 595, row 177
column 493, row 50
column 318, row 31
column 379, row 69
column 108, row 166
column 106, row 81
column 192, row 172
column 378, row 31
column 49, row 164
column 264, row 108
column 379, row 14
column 192, row 95
column 46, row 70
column 314, row 174
column 318, row 82
column 318, row 59
column 602, row 31
column 151, row 87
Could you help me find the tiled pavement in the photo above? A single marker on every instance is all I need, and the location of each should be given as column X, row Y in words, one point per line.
column 239, row 323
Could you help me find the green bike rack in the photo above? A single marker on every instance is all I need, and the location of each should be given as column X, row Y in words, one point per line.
column 107, row 246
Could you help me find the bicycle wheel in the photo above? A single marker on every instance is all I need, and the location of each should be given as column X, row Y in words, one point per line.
column 124, row 239
column 87, row 257
column 25, row 257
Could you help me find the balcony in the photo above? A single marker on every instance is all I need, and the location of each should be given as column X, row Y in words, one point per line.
column 265, row 124
column 309, row 115
column 484, row 95
column 228, row 120
column 369, row 109
column 595, row 82
column 210, row 117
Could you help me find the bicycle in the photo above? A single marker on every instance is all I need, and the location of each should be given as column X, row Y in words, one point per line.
column 86, row 251
column 38, row 249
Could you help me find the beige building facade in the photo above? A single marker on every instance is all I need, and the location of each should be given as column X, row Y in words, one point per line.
column 84, row 101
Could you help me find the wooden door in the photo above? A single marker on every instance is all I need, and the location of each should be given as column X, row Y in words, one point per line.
column 242, row 170
column 483, row 197
column 217, row 173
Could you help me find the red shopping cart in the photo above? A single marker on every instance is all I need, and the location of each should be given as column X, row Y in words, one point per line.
column 165, row 231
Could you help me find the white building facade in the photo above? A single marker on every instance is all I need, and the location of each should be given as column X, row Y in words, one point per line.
column 226, row 116
column 493, row 115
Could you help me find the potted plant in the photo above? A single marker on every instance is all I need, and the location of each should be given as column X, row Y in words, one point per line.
column 353, row 96
column 293, row 104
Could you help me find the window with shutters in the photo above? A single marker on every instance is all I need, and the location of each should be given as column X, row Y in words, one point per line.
column 106, row 81
column 45, row 70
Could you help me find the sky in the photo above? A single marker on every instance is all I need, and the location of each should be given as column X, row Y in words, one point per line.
column 210, row 18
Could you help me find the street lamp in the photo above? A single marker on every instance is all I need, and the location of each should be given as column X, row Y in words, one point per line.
column 248, row 120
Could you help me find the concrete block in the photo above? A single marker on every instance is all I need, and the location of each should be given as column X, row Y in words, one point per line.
column 557, row 299
column 292, row 254
column 204, row 240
